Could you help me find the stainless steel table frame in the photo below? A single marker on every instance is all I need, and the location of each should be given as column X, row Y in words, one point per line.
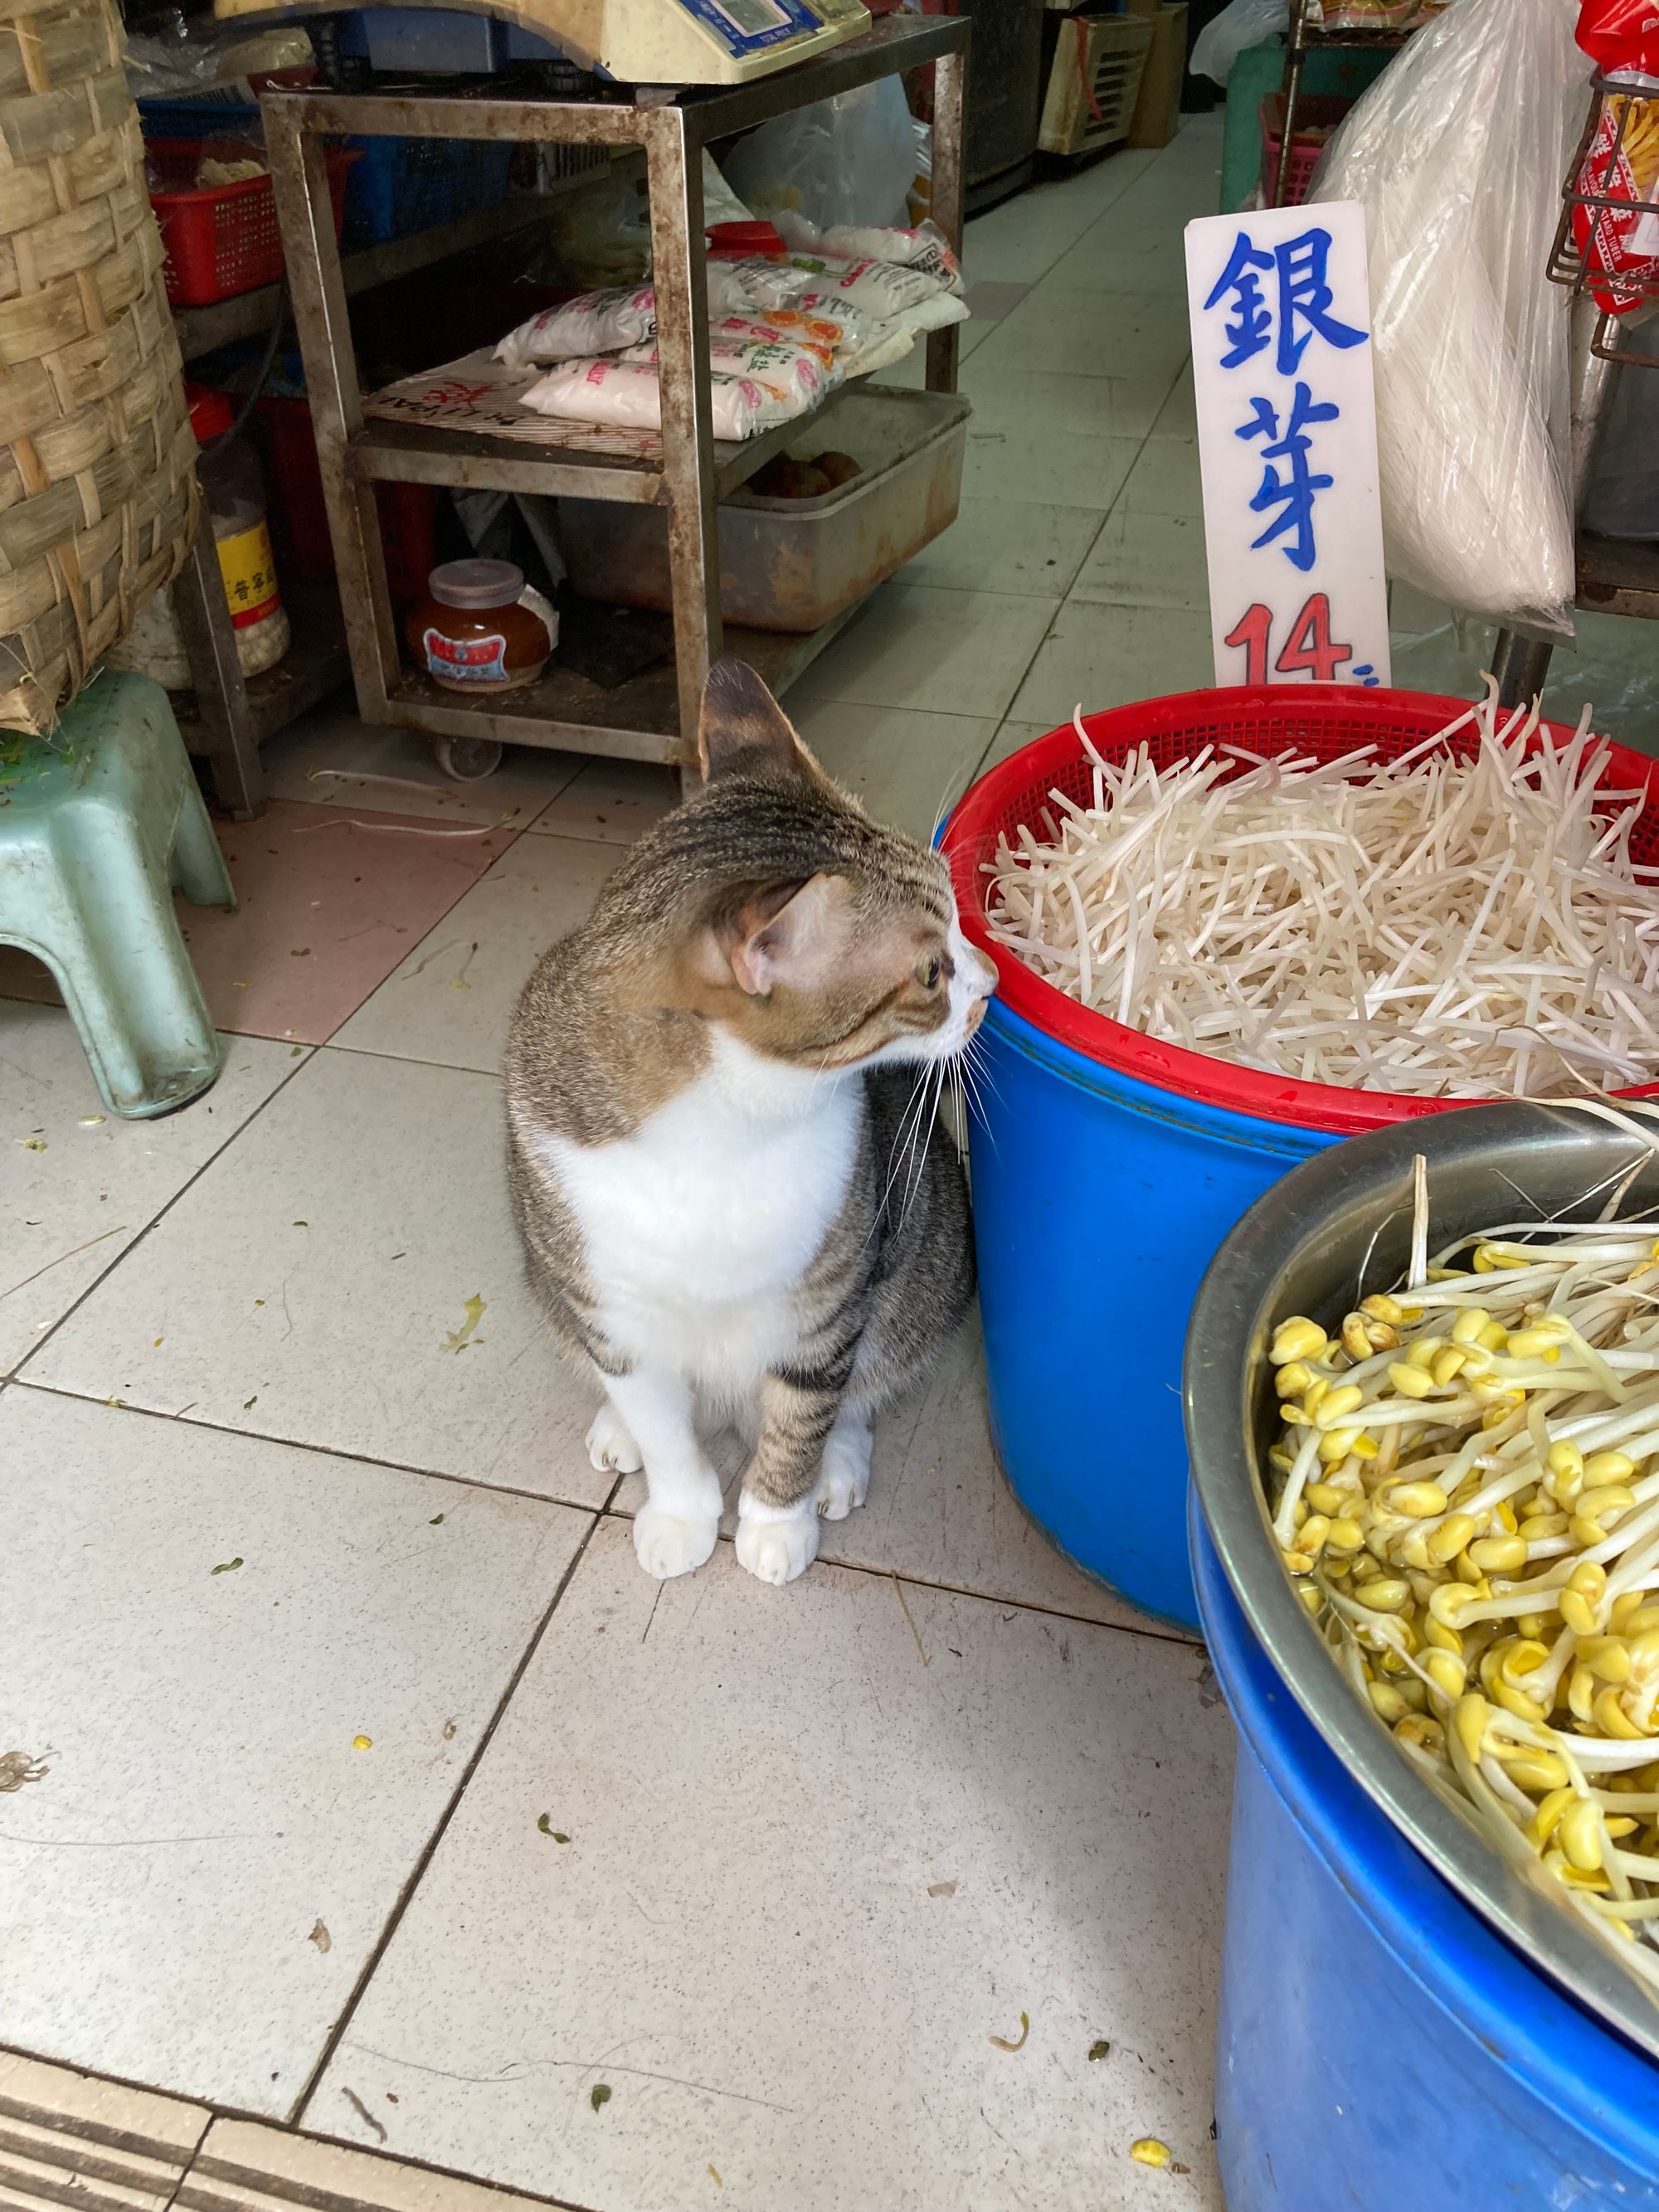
column 654, row 716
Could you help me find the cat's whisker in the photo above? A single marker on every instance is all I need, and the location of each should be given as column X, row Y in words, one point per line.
column 974, row 1057
column 972, row 1077
column 947, row 799
column 912, row 1107
column 919, row 1143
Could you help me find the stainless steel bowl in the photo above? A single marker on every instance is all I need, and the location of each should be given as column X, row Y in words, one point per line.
column 1335, row 1229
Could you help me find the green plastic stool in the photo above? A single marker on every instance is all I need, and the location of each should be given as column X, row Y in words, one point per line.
column 96, row 826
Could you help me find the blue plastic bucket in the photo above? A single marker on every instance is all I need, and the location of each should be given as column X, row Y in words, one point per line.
column 1108, row 1167
column 1098, row 1203
column 1381, row 2048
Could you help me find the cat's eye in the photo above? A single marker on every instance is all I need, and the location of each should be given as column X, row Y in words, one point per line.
column 928, row 976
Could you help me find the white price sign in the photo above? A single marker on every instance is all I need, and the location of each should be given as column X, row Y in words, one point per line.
column 1281, row 326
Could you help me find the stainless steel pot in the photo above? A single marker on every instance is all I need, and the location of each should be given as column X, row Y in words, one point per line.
column 1335, row 1229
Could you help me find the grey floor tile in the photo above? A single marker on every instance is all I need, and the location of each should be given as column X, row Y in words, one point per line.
column 78, row 1184
column 315, row 1285
column 452, row 998
column 253, row 1677
column 948, row 653
column 826, row 1845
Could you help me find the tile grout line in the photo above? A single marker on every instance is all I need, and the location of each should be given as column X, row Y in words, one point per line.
column 1153, row 1632
column 609, row 1510
column 322, row 1451
column 424, row 1859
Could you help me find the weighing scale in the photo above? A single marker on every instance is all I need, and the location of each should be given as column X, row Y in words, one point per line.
column 674, row 42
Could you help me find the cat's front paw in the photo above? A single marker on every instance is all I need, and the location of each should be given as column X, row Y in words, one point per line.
column 610, row 1445
column 777, row 1546
column 844, row 1477
column 669, row 1544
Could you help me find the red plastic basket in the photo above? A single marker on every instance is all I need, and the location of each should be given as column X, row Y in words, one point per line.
column 1326, row 719
column 224, row 238
column 1318, row 113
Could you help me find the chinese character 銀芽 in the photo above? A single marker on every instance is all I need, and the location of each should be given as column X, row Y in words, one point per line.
column 1303, row 296
column 1293, row 492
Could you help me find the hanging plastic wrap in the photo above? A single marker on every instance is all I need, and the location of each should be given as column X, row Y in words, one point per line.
column 849, row 159
column 1241, row 24
column 1456, row 153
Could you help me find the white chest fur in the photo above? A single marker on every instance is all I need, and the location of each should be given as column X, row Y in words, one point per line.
column 699, row 1227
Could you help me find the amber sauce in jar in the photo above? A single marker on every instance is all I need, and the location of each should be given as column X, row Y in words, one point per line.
column 479, row 630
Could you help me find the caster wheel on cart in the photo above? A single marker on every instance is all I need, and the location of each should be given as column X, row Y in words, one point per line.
column 468, row 760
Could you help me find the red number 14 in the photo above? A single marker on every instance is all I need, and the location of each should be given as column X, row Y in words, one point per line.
column 1309, row 645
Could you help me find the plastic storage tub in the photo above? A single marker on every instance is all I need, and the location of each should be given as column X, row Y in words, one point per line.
column 792, row 564
column 400, row 185
column 1108, row 1167
column 1396, row 2028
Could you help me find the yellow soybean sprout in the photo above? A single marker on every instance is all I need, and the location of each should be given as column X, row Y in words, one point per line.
column 1480, row 1550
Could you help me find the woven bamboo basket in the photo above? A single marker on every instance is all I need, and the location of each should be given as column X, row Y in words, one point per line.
column 97, row 493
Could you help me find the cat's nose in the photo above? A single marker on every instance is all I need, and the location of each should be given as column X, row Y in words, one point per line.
column 985, row 975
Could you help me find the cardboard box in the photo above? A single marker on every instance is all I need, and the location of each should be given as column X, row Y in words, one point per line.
column 1147, row 8
column 1157, row 109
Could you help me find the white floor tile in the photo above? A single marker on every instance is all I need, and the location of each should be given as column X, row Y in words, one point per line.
column 1178, row 418
column 332, row 759
column 1164, row 480
column 1105, row 656
column 1070, row 406
column 78, row 1184
column 452, row 998
column 826, row 1844
column 1147, row 561
column 1014, row 244
column 1117, row 258
column 939, row 1510
column 1085, row 336
column 948, row 653
column 1010, row 738
column 908, row 767
column 310, row 1285
column 1022, row 545
column 1017, row 463
column 199, row 1629
column 611, row 800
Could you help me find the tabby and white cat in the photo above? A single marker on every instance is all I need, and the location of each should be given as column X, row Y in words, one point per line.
column 714, row 1138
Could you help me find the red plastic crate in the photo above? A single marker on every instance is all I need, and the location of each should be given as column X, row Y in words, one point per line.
column 223, row 239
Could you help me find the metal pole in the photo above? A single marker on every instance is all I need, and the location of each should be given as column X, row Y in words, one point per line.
column 299, row 178
column 673, row 154
column 1294, row 54
column 949, row 91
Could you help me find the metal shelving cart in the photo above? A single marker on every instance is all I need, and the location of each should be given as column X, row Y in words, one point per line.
column 653, row 715
column 233, row 717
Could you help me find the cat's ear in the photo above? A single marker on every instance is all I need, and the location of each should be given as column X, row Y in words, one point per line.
column 742, row 730
column 801, row 943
